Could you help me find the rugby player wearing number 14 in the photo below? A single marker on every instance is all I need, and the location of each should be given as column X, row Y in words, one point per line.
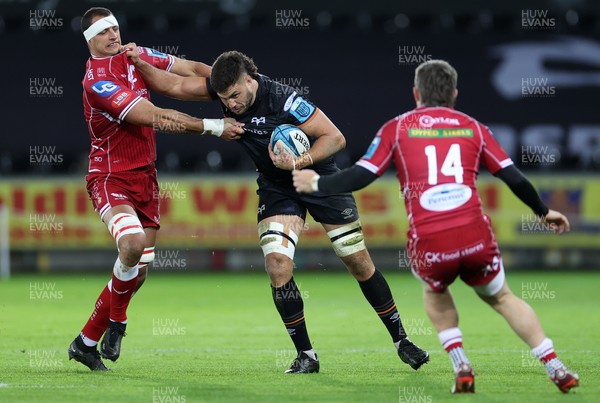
column 437, row 151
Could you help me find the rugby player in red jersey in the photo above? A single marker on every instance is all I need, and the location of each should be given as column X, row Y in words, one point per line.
column 122, row 176
column 437, row 151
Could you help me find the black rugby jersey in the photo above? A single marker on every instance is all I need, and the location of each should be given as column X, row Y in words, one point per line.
column 275, row 104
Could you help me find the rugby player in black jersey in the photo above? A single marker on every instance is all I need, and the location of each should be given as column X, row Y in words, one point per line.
column 262, row 104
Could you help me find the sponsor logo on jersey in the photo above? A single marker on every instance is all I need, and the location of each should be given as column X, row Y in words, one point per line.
column 301, row 109
column 348, row 213
column 372, row 148
column 445, row 197
column 105, row 88
column 119, row 196
column 288, row 103
column 156, row 53
column 257, row 131
column 440, row 133
column 90, row 75
column 120, row 292
column 259, row 120
column 119, row 99
column 439, row 257
column 428, row 121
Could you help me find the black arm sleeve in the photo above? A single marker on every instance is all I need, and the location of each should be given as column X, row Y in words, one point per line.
column 522, row 188
column 347, row 180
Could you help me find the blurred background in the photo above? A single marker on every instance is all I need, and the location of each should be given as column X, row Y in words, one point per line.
column 530, row 71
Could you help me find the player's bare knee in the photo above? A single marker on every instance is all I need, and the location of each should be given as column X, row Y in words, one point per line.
column 279, row 267
column 131, row 248
column 277, row 261
column 359, row 265
column 129, row 234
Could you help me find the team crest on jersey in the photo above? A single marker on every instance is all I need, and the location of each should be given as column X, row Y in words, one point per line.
column 259, row 120
column 301, row 109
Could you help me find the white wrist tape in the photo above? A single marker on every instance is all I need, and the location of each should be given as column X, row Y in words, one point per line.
column 100, row 26
column 214, row 126
column 314, row 183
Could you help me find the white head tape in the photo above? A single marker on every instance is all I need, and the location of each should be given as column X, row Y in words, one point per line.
column 100, row 26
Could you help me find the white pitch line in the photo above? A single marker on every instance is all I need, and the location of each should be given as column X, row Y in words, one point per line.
column 47, row 386
column 348, row 350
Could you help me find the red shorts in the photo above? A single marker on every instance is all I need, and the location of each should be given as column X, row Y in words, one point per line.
column 470, row 251
column 137, row 188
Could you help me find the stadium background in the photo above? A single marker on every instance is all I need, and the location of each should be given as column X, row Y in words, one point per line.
column 531, row 72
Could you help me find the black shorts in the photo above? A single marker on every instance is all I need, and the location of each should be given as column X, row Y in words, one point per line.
column 275, row 199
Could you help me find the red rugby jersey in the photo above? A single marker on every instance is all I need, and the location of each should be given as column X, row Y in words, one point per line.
column 111, row 88
column 437, row 152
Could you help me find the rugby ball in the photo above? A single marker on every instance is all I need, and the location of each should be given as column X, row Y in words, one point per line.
column 292, row 139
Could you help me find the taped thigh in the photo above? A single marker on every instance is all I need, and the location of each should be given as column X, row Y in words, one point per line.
column 275, row 238
column 147, row 257
column 347, row 240
column 124, row 224
column 493, row 287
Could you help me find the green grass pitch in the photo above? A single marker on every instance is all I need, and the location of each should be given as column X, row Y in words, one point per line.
column 218, row 337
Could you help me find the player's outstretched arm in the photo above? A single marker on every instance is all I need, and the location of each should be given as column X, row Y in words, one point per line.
column 144, row 113
column 524, row 190
column 347, row 180
column 190, row 68
column 169, row 84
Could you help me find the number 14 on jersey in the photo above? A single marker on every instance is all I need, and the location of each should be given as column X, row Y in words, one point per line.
column 451, row 166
